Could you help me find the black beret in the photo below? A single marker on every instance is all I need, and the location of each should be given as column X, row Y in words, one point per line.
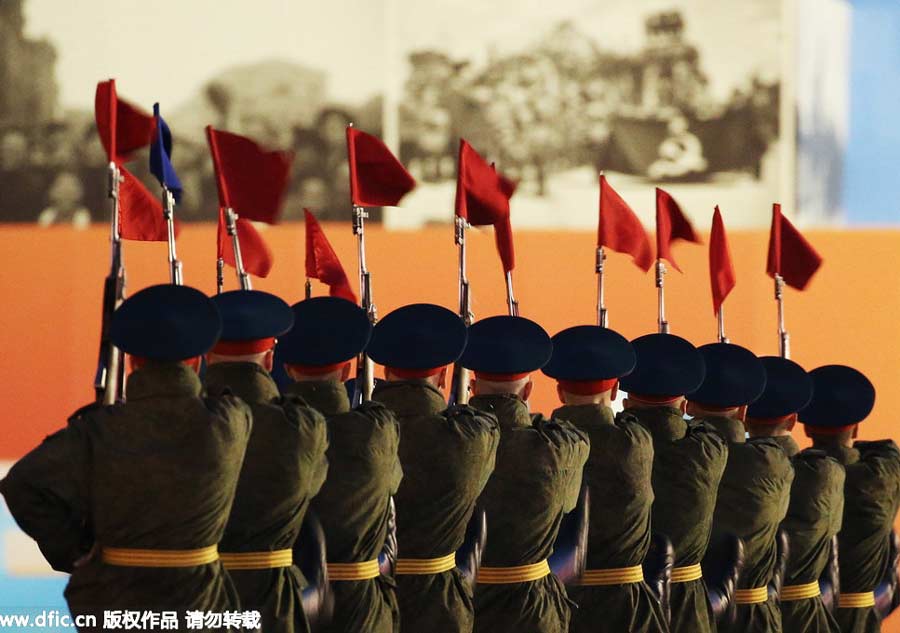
column 734, row 376
column 841, row 396
column 788, row 389
column 590, row 352
column 506, row 345
column 250, row 315
column 667, row 365
column 327, row 330
column 167, row 323
column 418, row 336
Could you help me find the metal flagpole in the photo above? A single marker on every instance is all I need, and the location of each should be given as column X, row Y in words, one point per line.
column 602, row 319
column 721, row 317
column 784, row 339
column 308, row 292
column 175, row 274
column 661, row 294
column 511, row 302
column 231, row 223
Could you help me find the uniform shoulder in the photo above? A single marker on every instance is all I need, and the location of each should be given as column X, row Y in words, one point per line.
column 706, row 436
column 471, row 420
column 298, row 412
column 228, row 406
column 882, row 456
column 630, row 424
column 368, row 420
column 767, row 451
column 558, row 433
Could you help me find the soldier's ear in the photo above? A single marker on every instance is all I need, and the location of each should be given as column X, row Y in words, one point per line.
column 269, row 360
column 442, row 378
column 614, row 392
column 791, row 421
column 683, row 406
column 560, row 393
column 345, row 372
column 527, row 389
column 855, row 431
column 742, row 413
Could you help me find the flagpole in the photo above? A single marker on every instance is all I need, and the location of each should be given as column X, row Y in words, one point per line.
column 175, row 272
column 721, row 318
column 231, row 224
column 308, row 292
column 365, row 371
column 459, row 392
column 511, row 302
column 661, row 295
column 784, row 339
column 602, row 319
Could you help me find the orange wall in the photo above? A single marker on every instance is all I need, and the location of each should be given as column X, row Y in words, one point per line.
column 51, row 284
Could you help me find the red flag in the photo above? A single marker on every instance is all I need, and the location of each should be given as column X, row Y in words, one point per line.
column 619, row 228
column 721, row 271
column 140, row 212
column 790, row 255
column 503, row 236
column 122, row 127
column 255, row 253
column 322, row 262
column 251, row 180
column 377, row 178
column 671, row 225
column 482, row 194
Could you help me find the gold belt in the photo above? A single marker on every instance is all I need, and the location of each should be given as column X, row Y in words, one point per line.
column 126, row 557
column 354, row 571
column 257, row 560
column 507, row 575
column 856, row 600
column 790, row 593
column 756, row 595
column 687, row 573
column 613, row 576
column 423, row 566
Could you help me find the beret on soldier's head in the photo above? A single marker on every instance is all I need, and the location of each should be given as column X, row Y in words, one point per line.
column 506, row 345
column 734, row 376
column 842, row 396
column 667, row 365
column 166, row 323
column 588, row 353
column 418, row 336
column 249, row 315
column 788, row 389
column 327, row 330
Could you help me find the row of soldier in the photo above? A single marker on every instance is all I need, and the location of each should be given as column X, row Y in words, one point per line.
column 197, row 495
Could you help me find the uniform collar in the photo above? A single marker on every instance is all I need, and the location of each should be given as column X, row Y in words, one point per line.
column 730, row 428
column 163, row 380
column 329, row 397
column 410, row 397
column 511, row 410
column 844, row 454
column 787, row 444
column 664, row 423
column 585, row 414
column 248, row 381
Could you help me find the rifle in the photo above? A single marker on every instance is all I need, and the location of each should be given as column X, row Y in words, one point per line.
column 459, row 387
column 109, row 381
column 365, row 369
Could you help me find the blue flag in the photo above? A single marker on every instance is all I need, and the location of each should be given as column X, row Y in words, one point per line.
column 160, row 156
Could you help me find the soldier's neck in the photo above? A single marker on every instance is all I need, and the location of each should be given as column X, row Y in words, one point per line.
column 329, row 397
column 246, row 380
column 509, row 408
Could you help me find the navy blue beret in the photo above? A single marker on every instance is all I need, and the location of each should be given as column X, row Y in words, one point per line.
column 167, row 323
column 250, row 315
column 506, row 345
column 327, row 330
column 667, row 365
column 590, row 352
column 841, row 396
column 788, row 389
column 734, row 376
column 418, row 336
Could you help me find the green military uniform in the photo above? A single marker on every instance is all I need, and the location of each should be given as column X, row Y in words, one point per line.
column 618, row 474
column 353, row 505
column 447, row 456
column 688, row 463
column 283, row 469
column 871, row 498
column 813, row 519
column 537, row 479
column 753, row 500
column 157, row 473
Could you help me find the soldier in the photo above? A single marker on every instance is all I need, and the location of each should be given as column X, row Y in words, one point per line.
column 688, row 462
column 447, row 457
column 132, row 499
column 755, row 489
column 842, row 398
column 817, row 497
column 364, row 466
column 612, row 596
column 537, row 479
column 284, row 466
